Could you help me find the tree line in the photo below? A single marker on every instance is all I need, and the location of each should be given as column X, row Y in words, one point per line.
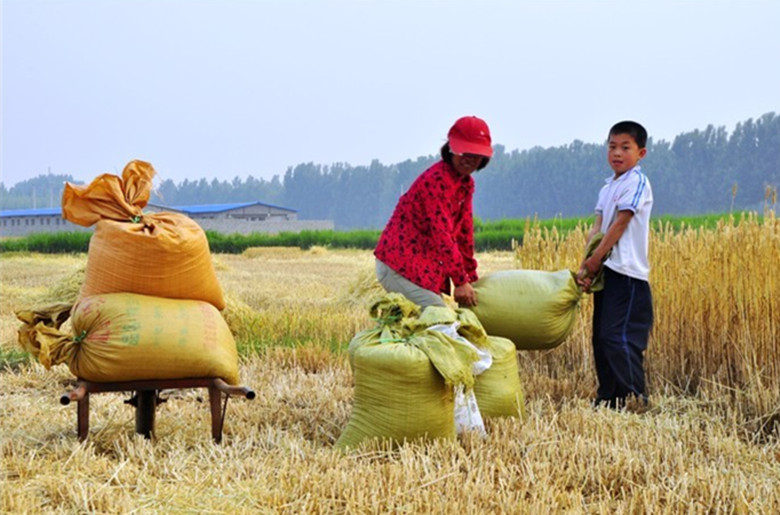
column 699, row 172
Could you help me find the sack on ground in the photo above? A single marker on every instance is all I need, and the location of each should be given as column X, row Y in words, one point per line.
column 498, row 389
column 158, row 254
column 405, row 375
column 127, row 337
column 399, row 395
column 535, row 309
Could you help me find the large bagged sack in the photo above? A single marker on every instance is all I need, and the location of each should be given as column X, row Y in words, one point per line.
column 158, row 254
column 498, row 389
column 126, row 337
column 399, row 395
column 405, row 375
column 535, row 309
column 167, row 255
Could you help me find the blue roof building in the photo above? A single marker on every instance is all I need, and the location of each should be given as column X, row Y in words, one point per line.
column 241, row 217
column 232, row 208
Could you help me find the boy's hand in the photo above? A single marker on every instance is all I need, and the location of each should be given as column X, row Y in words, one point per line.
column 588, row 270
column 583, row 279
column 465, row 295
column 591, row 265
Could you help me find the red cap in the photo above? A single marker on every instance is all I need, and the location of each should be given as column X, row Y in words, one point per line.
column 470, row 135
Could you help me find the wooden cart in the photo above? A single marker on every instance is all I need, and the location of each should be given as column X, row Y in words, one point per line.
column 146, row 400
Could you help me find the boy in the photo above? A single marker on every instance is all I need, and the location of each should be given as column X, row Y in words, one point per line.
column 623, row 309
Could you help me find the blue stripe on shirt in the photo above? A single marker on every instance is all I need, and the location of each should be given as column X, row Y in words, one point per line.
column 639, row 190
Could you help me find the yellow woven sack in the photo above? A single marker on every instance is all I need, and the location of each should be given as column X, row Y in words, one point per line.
column 498, row 389
column 157, row 254
column 535, row 309
column 399, row 395
column 127, row 337
column 169, row 259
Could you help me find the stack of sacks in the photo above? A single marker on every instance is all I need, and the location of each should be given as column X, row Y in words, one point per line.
column 405, row 375
column 149, row 305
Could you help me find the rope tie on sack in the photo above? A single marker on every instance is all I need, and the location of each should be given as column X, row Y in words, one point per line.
column 393, row 340
column 388, row 319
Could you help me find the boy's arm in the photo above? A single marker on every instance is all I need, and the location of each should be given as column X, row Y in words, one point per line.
column 592, row 264
column 582, row 277
column 595, row 228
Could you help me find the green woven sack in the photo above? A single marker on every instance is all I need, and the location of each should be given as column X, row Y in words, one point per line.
column 399, row 395
column 535, row 309
column 498, row 389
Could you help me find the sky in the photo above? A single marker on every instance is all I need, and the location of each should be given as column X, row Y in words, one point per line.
column 232, row 88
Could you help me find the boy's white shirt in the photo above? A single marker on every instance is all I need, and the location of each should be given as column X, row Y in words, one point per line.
column 631, row 191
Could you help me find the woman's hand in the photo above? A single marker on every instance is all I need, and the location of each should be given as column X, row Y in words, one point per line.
column 465, row 295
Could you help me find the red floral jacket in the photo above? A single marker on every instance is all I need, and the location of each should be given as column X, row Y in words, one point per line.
column 429, row 239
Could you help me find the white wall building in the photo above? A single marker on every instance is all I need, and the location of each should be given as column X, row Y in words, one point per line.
column 241, row 218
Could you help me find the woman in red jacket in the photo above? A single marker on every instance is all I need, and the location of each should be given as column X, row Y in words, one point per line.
column 429, row 239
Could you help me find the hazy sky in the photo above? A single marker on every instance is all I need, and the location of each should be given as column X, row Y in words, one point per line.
column 226, row 88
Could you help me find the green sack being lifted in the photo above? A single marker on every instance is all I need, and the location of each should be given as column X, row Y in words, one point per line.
column 535, row 309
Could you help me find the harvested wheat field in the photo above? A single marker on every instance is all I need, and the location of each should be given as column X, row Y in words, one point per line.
column 708, row 443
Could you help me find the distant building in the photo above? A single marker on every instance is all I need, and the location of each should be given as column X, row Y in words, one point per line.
column 254, row 211
column 241, row 218
column 21, row 222
column 246, row 218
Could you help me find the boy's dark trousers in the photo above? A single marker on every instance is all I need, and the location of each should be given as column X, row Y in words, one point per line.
column 622, row 319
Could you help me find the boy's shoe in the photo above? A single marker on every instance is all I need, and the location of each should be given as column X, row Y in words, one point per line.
column 612, row 403
column 632, row 403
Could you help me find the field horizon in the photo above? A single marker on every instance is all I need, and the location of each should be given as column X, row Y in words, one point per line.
column 708, row 443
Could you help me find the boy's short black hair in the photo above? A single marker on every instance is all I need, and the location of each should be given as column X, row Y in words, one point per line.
column 633, row 129
column 446, row 156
